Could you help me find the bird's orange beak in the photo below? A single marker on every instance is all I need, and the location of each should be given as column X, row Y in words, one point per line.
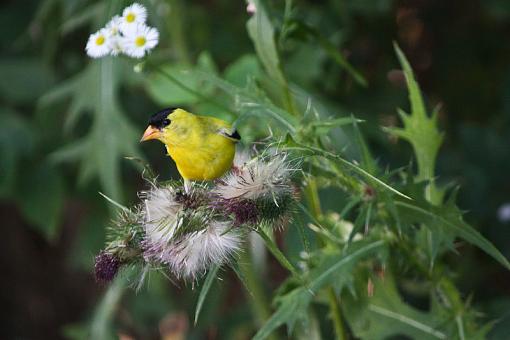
column 150, row 133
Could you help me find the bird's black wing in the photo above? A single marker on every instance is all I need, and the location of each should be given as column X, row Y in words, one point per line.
column 233, row 135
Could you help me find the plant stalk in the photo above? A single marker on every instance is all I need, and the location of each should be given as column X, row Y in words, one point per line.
column 336, row 315
column 257, row 298
column 313, row 201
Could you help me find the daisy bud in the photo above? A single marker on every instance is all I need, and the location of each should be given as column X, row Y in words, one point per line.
column 106, row 267
column 251, row 8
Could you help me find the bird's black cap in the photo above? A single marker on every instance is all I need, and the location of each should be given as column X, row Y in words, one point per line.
column 160, row 119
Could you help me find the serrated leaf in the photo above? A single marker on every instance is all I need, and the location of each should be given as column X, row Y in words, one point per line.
column 452, row 220
column 211, row 275
column 385, row 315
column 293, row 306
column 420, row 131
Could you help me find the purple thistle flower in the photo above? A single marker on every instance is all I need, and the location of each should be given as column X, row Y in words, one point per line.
column 106, row 267
column 245, row 211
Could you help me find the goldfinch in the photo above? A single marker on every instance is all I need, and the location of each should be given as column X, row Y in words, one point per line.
column 203, row 148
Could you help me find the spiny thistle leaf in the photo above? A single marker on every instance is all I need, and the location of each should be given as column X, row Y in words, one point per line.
column 420, row 131
column 294, row 305
column 450, row 219
column 385, row 314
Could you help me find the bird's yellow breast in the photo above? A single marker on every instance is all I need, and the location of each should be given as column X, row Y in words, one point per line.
column 198, row 149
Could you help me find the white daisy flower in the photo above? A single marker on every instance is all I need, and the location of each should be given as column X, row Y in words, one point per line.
column 98, row 44
column 116, row 45
column 140, row 41
column 132, row 16
column 113, row 26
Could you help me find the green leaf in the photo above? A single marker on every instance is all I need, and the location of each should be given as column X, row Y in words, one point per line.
column 332, row 50
column 16, row 142
column 323, row 127
column 323, row 276
column 252, row 102
column 452, row 220
column 40, row 196
column 24, row 80
column 420, row 131
column 168, row 93
column 384, row 315
column 240, row 71
column 313, row 151
column 293, row 306
column 262, row 33
column 367, row 160
column 211, row 275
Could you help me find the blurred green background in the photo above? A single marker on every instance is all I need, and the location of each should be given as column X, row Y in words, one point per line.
column 67, row 123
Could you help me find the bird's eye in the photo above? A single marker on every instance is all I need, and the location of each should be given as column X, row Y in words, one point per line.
column 166, row 122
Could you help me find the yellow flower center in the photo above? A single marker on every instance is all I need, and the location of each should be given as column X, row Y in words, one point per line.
column 130, row 17
column 100, row 40
column 140, row 41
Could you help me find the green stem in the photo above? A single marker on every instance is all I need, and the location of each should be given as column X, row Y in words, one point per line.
column 313, row 201
column 312, row 198
column 259, row 302
column 336, row 314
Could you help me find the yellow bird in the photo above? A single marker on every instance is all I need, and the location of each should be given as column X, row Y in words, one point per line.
column 203, row 148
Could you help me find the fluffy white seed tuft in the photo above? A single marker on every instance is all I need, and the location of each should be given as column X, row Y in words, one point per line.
column 263, row 176
column 187, row 255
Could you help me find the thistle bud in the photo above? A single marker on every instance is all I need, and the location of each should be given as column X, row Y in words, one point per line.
column 106, row 267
